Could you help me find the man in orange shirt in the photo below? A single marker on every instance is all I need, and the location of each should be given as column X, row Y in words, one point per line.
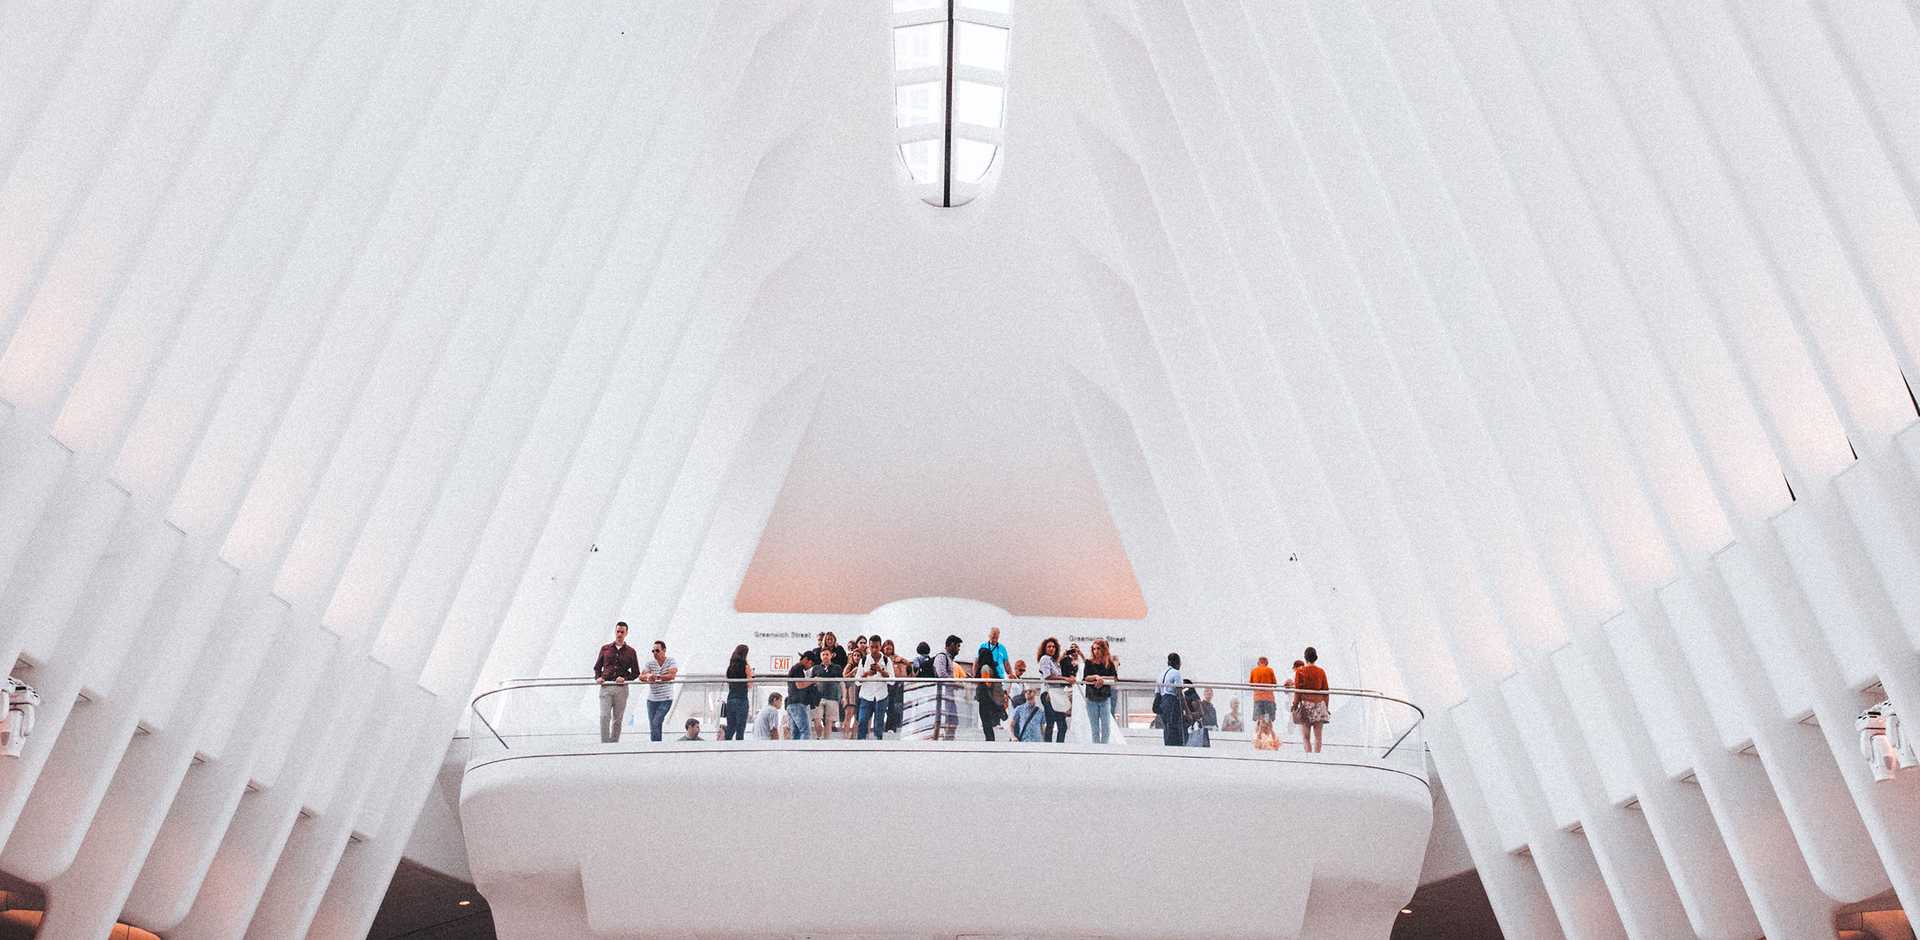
column 1263, row 704
column 1310, row 711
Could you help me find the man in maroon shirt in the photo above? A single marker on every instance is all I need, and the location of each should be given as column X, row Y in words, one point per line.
column 616, row 664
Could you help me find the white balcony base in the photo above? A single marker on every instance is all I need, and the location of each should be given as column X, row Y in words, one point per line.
column 940, row 839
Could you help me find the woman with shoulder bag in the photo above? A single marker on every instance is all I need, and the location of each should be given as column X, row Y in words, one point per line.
column 1056, row 690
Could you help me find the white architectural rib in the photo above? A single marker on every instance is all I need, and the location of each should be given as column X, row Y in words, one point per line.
column 1214, row 294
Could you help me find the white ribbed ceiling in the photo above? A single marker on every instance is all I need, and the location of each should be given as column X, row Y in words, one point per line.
column 1540, row 360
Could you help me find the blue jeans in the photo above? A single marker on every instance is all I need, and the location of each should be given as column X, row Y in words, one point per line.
column 872, row 712
column 657, row 710
column 1100, row 718
column 1173, row 720
column 735, row 712
column 1055, row 730
column 801, row 722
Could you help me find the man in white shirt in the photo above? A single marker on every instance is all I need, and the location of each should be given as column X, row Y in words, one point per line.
column 874, row 669
column 1166, row 700
column 772, row 724
column 658, row 672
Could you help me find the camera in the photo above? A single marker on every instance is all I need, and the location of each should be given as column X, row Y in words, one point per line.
column 1886, row 742
column 22, row 704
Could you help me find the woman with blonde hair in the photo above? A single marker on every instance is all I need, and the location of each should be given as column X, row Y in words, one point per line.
column 1099, row 673
column 1264, row 738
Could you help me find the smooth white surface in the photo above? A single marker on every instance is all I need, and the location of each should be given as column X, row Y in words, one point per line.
column 985, row 839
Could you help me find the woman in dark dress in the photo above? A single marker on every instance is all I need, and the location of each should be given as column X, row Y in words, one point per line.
column 735, row 711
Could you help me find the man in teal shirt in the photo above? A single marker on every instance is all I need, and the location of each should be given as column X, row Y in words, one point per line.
column 998, row 652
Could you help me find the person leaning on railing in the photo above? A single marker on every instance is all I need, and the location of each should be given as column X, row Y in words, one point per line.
column 658, row 672
column 1056, row 690
column 802, row 696
column 1100, row 671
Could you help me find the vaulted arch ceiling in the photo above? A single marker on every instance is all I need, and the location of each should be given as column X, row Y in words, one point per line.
column 1545, row 360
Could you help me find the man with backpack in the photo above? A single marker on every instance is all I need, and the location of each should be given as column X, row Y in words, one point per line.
column 946, row 710
column 1170, row 704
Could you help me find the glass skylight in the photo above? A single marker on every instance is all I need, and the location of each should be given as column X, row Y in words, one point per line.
column 977, row 103
column 982, row 47
column 950, row 77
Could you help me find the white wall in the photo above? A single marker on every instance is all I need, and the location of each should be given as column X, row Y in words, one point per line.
column 1036, row 840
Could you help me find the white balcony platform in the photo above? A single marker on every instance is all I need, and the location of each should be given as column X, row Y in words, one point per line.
column 941, row 839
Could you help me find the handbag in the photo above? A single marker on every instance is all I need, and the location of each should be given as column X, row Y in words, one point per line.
column 1060, row 699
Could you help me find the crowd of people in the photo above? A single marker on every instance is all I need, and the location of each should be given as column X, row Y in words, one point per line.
column 859, row 690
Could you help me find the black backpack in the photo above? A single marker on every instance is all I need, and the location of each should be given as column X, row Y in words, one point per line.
column 923, row 667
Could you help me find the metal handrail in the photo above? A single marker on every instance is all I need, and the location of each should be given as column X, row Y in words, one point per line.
column 771, row 679
column 515, row 685
column 537, row 682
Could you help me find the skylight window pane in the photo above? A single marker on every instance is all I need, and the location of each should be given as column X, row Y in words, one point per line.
column 971, row 158
column 922, row 103
column 922, row 46
column 982, row 47
column 923, row 160
column 975, row 103
column 950, row 93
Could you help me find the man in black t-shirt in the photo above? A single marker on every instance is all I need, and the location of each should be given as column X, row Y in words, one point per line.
column 801, row 695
